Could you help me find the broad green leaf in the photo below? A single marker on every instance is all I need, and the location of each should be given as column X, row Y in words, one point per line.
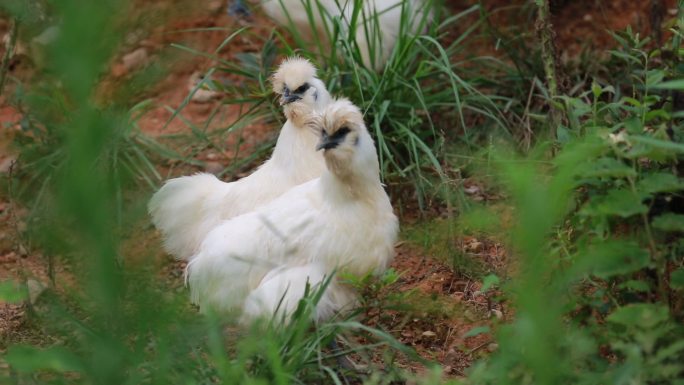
column 488, row 282
column 640, row 315
column 659, row 113
column 634, row 125
column 654, row 78
column 611, row 258
column 562, row 134
column 666, row 145
column 476, row 331
column 669, row 222
column 623, row 203
column 632, row 101
column 660, row 182
column 12, row 292
column 608, row 167
column 30, row 359
column 671, row 85
column 677, row 279
column 635, row 285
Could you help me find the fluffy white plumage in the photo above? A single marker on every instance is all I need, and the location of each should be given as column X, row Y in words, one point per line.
column 185, row 209
column 375, row 48
column 260, row 262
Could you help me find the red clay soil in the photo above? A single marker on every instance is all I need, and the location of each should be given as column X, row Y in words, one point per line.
column 579, row 24
column 436, row 308
column 171, row 92
column 583, row 25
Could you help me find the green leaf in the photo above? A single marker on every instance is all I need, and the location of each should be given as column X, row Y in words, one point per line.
column 12, row 292
column 635, row 285
column 30, row 359
column 677, row 279
column 661, row 144
column 563, row 134
column 660, row 182
column 476, row 331
column 641, row 315
column 488, row 282
column 634, row 125
column 632, row 101
column 623, row 203
column 671, row 85
column 669, row 222
column 655, row 114
column 596, row 90
column 608, row 167
column 654, row 78
column 611, row 258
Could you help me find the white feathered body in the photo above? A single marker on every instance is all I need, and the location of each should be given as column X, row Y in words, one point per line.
column 260, row 263
column 185, row 209
column 249, row 263
column 380, row 41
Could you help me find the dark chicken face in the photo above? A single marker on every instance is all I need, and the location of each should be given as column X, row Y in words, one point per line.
column 339, row 126
column 288, row 96
column 332, row 141
column 347, row 146
column 295, row 80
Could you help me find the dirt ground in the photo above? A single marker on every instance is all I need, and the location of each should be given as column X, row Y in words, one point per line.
column 454, row 303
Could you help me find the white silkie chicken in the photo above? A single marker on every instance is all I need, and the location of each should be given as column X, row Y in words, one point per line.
column 185, row 209
column 259, row 263
column 376, row 28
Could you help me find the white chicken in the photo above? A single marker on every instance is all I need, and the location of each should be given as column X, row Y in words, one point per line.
column 185, row 209
column 376, row 28
column 259, row 263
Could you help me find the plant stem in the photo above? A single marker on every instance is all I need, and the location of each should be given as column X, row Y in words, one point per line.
column 548, row 48
column 661, row 263
column 4, row 66
column 656, row 15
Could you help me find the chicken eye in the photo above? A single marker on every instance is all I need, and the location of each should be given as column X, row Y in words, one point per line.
column 341, row 132
column 302, row 88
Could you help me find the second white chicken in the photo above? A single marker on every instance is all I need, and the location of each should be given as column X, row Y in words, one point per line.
column 376, row 27
column 259, row 263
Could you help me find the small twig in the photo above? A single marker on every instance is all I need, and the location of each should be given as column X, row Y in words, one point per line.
column 446, row 339
column 528, row 126
column 478, row 347
column 4, row 66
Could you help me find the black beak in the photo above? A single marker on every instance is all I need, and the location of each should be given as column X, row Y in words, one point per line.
column 288, row 97
column 331, row 141
column 328, row 142
column 322, row 146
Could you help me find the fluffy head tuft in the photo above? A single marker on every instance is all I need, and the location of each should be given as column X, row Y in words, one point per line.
column 347, row 146
column 340, row 115
column 292, row 73
column 300, row 90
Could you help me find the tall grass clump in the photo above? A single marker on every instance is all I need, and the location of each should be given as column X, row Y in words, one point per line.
column 429, row 90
